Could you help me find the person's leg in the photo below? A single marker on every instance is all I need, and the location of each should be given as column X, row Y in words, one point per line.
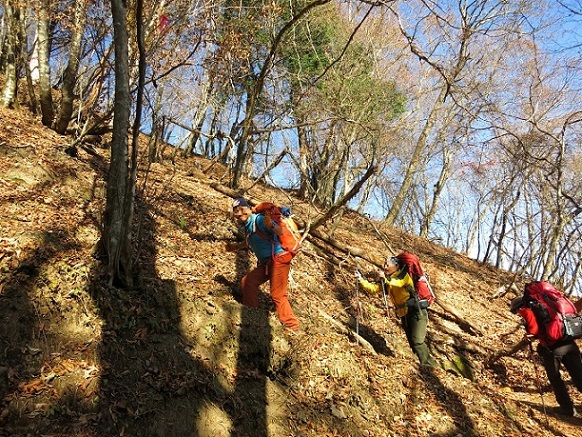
column 572, row 361
column 551, row 361
column 416, row 324
column 250, row 285
column 279, row 274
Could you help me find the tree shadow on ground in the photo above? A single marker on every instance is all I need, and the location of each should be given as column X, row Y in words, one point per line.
column 546, row 412
column 17, row 316
column 451, row 401
column 253, row 363
column 352, row 301
column 23, row 341
column 152, row 383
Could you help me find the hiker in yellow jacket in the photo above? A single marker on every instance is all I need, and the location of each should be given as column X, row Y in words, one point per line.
column 400, row 288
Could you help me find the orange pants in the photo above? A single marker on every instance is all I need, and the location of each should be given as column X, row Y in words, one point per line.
column 276, row 271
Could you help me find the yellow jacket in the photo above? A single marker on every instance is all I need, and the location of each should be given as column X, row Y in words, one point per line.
column 399, row 287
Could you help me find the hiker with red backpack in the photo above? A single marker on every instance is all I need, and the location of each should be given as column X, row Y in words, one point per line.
column 409, row 291
column 274, row 261
column 551, row 318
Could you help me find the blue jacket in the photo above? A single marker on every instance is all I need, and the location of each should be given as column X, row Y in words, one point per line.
column 263, row 248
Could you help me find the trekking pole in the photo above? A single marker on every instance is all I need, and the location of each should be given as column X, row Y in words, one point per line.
column 531, row 357
column 357, row 312
column 383, row 285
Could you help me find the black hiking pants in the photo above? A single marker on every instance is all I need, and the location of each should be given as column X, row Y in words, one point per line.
column 567, row 354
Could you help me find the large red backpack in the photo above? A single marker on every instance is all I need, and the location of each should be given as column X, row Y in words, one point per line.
column 551, row 308
column 421, row 285
column 290, row 240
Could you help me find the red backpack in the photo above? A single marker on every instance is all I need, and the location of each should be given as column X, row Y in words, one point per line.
column 290, row 240
column 551, row 308
column 421, row 285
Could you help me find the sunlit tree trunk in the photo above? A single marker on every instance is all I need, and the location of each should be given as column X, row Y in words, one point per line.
column 303, row 160
column 70, row 77
column 12, row 54
column 245, row 147
column 438, row 189
column 563, row 215
column 199, row 115
column 44, row 70
column 28, row 65
column 415, row 160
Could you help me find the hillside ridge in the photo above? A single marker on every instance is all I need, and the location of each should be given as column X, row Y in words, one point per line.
column 180, row 356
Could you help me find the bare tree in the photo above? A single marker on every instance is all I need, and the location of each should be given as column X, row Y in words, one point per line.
column 13, row 48
column 43, row 47
column 70, row 76
column 244, row 149
column 116, row 237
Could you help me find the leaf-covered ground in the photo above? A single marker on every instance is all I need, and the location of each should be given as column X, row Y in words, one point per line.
column 180, row 356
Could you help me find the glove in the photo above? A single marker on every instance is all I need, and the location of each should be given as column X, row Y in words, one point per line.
column 358, row 275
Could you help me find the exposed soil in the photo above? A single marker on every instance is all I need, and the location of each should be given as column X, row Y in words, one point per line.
column 180, row 356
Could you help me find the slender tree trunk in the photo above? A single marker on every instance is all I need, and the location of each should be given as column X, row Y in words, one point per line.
column 28, row 65
column 491, row 241
column 44, row 70
column 158, row 127
column 13, row 50
column 245, row 146
column 303, row 161
column 474, row 232
column 507, row 209
column 438, row 189
column 415, row 160
column 3, row 37
column 117, row 230
column 70, row 77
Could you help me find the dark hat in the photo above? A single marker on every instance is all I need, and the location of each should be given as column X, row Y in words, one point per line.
column 240, row 202
column 516, row 304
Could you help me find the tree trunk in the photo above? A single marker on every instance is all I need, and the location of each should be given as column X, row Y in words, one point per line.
column 44, row 70
column 117, row 226
column 28, row 64
column 244, row 151
column 503, row 229
column 13, row 49
column 438, row 189
column 70, row 77
column 415, row 160
column 303, row 160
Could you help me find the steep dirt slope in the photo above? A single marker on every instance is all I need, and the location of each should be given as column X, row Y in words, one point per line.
column 179, row 355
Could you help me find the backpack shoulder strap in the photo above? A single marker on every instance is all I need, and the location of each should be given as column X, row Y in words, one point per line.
column 256, row 229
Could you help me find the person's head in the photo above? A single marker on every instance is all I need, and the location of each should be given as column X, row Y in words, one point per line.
column 391, row 265
column 241, row 210
column 516, row 304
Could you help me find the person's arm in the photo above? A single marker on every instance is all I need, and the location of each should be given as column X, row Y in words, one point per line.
column 370, row 287
column 531, row 324
column 272, row 225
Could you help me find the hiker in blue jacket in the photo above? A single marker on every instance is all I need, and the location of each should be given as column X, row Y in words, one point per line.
column 274, row 262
